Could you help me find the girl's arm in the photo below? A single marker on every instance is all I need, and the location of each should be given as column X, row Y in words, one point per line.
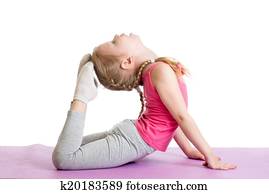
column 186, row 147
column 165, row 81
column 182, row 141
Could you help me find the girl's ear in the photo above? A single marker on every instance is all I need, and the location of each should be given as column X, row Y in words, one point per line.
column 127, row 63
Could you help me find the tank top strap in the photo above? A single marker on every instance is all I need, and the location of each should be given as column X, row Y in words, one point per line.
column 149, row 70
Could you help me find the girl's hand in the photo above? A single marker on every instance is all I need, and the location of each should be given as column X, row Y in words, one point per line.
column 195, row 155
column 214, row 162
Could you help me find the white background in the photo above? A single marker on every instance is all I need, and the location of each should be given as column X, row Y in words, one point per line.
column 224, row 44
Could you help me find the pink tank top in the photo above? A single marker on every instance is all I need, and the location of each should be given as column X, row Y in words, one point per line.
column 156, row 125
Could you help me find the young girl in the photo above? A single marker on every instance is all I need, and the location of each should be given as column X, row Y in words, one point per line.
column 124, row 64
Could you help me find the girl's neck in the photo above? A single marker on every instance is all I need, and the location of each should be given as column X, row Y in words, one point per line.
column 144, row 56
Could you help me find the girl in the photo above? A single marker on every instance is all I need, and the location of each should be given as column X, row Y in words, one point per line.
column 124, row 64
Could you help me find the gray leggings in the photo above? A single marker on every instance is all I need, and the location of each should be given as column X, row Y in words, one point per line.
column 119, row 145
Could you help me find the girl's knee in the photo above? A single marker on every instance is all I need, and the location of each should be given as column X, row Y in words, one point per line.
column 60, row 161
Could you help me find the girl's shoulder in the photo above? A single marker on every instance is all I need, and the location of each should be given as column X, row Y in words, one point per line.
column 151, row 67
column 161, row 72
column 160, row 68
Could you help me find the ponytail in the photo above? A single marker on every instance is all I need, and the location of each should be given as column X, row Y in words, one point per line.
column 178, row 68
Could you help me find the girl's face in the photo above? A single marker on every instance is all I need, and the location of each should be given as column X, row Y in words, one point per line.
column 121, row 45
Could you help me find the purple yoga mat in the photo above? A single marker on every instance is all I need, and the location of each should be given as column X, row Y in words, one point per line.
column 34, row 161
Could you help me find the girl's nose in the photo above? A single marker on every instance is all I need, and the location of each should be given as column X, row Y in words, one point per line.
column 116, row 36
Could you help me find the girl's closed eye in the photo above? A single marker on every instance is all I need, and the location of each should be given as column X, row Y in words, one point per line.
column 113, row 40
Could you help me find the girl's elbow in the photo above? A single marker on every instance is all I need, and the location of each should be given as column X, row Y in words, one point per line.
column 183, row 117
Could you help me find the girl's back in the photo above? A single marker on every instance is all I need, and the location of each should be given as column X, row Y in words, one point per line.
column 156, row 125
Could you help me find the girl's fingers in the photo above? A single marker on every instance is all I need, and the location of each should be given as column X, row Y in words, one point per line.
column 231, row 166
column 227, row 166
column 220, row 166
column 200, row 158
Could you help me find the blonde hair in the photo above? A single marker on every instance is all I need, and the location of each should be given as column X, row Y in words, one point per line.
column 107, row 71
